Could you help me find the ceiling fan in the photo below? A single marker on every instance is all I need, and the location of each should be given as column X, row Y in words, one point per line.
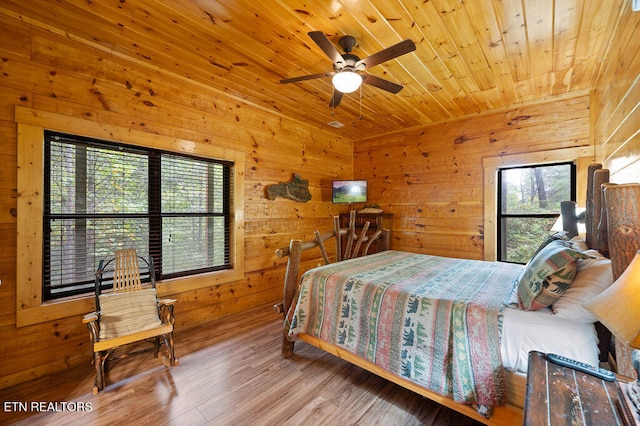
column 347, row 76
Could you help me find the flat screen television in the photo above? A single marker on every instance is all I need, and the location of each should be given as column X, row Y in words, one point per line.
column 349, row 191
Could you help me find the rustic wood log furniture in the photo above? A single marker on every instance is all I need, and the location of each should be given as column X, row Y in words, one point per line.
column 130, row 313
column 354, row 241
column 509, row 414
column 558, row 395
column 358, row 221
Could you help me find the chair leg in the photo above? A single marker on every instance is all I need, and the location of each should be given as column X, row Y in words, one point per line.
column 98, row 360
column 156, row 350
column 171, row 361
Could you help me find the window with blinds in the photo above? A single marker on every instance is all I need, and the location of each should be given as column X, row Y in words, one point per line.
column 101, row 196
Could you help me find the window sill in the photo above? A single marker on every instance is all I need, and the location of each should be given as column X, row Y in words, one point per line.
column 194, row 282
column 82, row 305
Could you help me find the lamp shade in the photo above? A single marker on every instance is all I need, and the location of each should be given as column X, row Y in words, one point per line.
column 618, row 307
column 346, row 81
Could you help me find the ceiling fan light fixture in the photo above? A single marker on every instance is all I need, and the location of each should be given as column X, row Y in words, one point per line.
column 346, row 81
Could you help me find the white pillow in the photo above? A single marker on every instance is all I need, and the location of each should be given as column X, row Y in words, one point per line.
column 594, row 276
column 128, row 312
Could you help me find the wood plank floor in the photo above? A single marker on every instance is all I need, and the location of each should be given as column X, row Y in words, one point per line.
column 230, row 373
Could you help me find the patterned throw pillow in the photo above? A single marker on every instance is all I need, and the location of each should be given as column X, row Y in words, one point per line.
column 548, row 275
column 561, row 235
column 128, row 312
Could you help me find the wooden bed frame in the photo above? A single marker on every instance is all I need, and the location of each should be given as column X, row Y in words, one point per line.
column 622, row 242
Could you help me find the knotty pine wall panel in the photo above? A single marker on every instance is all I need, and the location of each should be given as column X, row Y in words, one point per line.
column 431, row 177
column 52, row 73
column 616, row 112
column 616, row 104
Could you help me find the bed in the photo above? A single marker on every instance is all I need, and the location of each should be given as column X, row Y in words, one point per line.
column 465, row 346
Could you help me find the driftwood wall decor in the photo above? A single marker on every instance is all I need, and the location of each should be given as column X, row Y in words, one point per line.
column 296, row 189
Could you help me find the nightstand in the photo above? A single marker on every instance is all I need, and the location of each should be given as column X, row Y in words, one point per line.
column 557, row 395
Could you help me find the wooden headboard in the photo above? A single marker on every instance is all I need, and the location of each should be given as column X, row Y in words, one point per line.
column 613, row 228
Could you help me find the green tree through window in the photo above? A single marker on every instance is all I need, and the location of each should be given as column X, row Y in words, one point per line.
column 529, row 204
column 101, row 196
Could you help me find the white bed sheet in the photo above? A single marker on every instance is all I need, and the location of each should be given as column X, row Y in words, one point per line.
column 524, row 331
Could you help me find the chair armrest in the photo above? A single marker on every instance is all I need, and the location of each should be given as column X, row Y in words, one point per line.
column 165, row 310
column 93, row 316
column 93, row 325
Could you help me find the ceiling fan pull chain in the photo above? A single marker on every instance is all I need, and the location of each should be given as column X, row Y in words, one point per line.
column 360, row 103
column 333, row 102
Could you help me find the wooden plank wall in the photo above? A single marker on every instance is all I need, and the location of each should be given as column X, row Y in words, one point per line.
column 431, row 177
column 616, row 121
column 616, row 105
column 47, row 71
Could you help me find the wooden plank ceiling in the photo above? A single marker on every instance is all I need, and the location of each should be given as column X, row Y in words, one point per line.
column 471, row 56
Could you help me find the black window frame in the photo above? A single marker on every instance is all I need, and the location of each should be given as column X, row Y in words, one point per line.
column 154, row 213
column 502, row 217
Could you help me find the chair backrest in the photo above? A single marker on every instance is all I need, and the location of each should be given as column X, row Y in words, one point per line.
column 126, row 274
column 124, row 269
column 129, row 307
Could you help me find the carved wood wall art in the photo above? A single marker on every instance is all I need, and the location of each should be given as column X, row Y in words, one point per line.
column 296, row 189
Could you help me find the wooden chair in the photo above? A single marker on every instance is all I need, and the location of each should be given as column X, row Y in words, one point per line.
column 128, row 314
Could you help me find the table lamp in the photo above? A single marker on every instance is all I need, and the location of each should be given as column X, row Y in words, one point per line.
column 618, row 308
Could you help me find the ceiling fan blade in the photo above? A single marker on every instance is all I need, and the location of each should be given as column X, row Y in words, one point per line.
column 335, row 98
column 389, row 53
column 383, row 84
column 306, row 77
column 327, row 47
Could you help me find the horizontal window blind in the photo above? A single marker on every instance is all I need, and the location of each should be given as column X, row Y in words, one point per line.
column 100, row 197
column 195, row 212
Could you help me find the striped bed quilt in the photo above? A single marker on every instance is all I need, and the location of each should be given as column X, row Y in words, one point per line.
column 432, row 320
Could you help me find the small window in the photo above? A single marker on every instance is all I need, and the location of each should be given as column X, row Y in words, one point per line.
column 529, row 204
column 102, row 196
